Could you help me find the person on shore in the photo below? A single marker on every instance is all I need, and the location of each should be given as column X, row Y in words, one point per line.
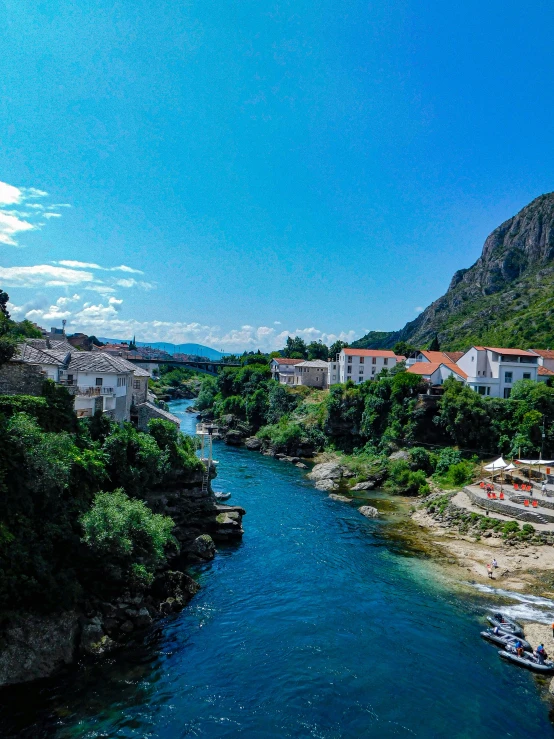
column 553, row 630
column 543, row 489
column 489, row 570
column 494, row 563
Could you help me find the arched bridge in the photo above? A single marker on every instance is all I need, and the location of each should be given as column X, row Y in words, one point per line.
column 211, row 368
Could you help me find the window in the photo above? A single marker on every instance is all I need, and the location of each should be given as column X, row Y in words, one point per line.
column 373, row 360
column 361, row 371
column 488, row 391
column 373, row 370
column 70, row 379
column 507, row 391
column 361, row 360
column 386, row 360
column 121, row 381
column 350, row 370
column 508, row 377
column 349, row 360
column 526, row 375
column 136, row 384
column 481, row 390
column 98, row 382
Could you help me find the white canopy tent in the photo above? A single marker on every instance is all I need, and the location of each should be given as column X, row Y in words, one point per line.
column 496, row 466
column 535, row 462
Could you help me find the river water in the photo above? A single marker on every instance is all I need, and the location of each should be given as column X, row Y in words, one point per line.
column 319, row 624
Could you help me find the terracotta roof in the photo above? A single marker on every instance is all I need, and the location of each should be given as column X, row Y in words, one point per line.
column 545, row 371
column 369, row 353
column 400, row 358
column 513, row 352
column 286, row 360
column 544, row 353
column 454, row 356
column 434, row 356
column 427, row 368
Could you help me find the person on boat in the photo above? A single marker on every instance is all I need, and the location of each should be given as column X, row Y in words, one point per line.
column 519, row 649
column 496, row 631
column 541, row 654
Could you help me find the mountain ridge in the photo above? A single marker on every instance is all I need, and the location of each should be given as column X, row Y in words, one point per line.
column 506, row 298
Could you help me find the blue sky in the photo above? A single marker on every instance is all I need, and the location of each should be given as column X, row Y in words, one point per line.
column 245, row 170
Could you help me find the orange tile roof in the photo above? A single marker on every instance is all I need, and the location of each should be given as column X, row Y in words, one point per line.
column 544, row 353
column 439, row 357
column 427, row 368
column 369, row 353
column 545, row 371
column 286, row 360
column 454, row 356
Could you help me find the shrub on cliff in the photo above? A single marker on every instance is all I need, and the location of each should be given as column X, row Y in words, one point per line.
column 180, row 449
column 131, row 540
column 401, row 479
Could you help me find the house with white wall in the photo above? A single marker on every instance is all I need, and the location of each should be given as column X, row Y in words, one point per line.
column 546, row 364
column 435, row 373
column 359, row 365
column 312, row 373
column 492, row 370
column 435, row 357
column 282, row 369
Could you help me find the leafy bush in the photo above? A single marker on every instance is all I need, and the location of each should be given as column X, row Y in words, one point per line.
column 420, row 459
column 131, row 539
column 403, row 480
column 283, row 435
column 447, row 457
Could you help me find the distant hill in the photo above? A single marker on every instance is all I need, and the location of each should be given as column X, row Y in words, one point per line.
column 197, row 349
column 505, row 299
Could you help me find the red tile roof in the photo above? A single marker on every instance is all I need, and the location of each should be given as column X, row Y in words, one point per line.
column 369, row 353
column 427, row 368
column 545, row 371
column 435, row 356
column 286, row 360
column 454, row 356
column 544, row 353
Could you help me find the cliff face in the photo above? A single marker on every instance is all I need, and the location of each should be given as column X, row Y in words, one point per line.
column 35, row 646
column 506, row 298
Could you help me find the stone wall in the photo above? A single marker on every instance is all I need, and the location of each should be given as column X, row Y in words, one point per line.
column 147, row 411
column 21, row 378
column 507, row 509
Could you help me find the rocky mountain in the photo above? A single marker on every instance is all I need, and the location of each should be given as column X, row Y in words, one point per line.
column 505, row 299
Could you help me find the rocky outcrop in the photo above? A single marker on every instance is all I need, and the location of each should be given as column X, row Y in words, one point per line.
column 515, row 272
column 369, row 511
column 340, row 498
column 253, row 444
column 326, row 485
column 369, row 485
column 34, row 646
column 326, row 471
column 400, row 455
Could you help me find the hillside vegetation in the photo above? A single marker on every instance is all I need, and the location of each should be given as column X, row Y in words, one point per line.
column 505, row 299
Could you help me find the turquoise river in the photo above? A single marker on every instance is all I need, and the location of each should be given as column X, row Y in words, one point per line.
column 319, row 624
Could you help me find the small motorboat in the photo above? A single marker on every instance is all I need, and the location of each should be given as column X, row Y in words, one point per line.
column 222, row 496
column 505, row 639
column 506, row 624
column 527, row 660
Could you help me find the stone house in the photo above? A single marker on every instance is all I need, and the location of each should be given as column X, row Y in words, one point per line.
column 311, row 373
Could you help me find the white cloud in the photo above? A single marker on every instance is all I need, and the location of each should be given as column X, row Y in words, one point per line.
column 93, row 265
column 43, row 275
column 9, row 195
column 12, row 221
column 276, row 323
column 104, row 317
column 131, row 282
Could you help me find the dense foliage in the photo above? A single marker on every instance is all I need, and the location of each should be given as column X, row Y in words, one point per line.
column 12, row 332
column 56, row 475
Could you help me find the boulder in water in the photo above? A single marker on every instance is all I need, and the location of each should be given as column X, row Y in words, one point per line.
column 326, row 471
column 326, row 485
column 369, row 511
column 340, row 498
column 253, row 444
column 369, row 485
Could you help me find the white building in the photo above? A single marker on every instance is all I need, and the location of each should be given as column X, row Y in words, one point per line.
column 493, row 371
column 359, row 365
column 282, row 369
column 333, row 372
column 435, row 357
column 312, row 373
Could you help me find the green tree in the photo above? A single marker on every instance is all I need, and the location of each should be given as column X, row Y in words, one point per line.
column 318, row 350
column 434, row 346
column 404, row 349
column 296, row 347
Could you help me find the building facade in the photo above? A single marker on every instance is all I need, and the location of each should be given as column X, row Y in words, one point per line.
column 282, row 369
column 311, row 373
column 359, row 365
column 492, row 371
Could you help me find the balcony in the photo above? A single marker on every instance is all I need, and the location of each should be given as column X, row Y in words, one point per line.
column 87, row 392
